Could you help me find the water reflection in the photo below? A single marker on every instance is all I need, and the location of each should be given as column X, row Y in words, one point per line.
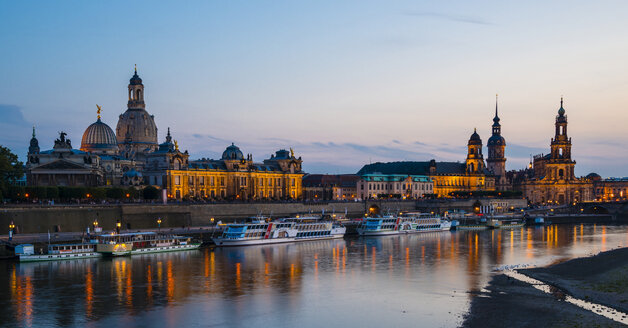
column 367, row 281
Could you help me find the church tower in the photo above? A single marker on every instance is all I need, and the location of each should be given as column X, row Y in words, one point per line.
column 475, row 159
column 560, row 166
column 496, row 161
column 136, row 132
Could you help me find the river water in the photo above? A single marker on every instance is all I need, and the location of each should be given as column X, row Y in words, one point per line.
column 425, row 280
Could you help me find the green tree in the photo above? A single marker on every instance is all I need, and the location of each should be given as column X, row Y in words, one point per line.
column 52, row 192
column 11, row 169
column 150, row 192
column 115, row 193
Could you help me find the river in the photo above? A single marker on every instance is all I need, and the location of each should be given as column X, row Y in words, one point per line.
column 425, row 280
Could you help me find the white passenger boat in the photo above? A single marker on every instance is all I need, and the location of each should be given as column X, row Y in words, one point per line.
column 142, row 243
column 55, row 252
column 407, row 223
column 281, row 231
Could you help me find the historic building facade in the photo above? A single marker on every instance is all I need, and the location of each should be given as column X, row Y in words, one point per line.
column 552, row 178
column 132, row 157
column 447, row 177
column 496, row 161
column 323, row 187
column 377, row 185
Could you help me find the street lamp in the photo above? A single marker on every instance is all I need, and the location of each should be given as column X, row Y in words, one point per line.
column 11, row 227
column 118, row 226
column 159, row 223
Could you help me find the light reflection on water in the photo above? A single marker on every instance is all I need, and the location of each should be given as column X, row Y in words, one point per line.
column 380, row 281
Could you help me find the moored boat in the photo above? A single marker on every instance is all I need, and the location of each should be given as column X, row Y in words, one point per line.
column 411, row 222
column 280, row 231
column 143, row 243
column 55, row 252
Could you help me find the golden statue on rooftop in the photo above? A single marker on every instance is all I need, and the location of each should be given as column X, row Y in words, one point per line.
column 98, row 111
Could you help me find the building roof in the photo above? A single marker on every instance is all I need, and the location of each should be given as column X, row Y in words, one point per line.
column 99, row 137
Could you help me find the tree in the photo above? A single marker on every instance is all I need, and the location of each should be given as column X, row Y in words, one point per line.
column 115, row 193
column 150, row 192
column 11, row 169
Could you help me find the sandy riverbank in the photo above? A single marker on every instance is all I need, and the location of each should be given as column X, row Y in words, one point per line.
column 507, row 302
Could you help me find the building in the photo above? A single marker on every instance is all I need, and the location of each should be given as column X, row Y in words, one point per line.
column 325, row 187
column 496, row 161
column 609, row 189
column 132, row 157
column 402, row 186
column 136, row 133
column 62, row 165
column 447, row 177
column 552, row 179
column 233, row 177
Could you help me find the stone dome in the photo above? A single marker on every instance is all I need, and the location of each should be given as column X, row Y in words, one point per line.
column 138, row 127
column 475, row 138
column 496, row 140
column 99, row 138
column 232, row 153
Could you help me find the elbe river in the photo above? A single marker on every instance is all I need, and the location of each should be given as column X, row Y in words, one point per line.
column 425, row 280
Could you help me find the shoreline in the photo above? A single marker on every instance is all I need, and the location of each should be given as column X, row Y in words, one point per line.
column 601, row 279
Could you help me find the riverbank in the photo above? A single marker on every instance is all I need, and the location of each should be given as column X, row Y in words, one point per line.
column 601, row 279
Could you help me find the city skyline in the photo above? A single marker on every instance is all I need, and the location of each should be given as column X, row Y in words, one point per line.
column 399, row 82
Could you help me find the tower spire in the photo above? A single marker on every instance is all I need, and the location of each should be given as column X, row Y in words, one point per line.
column 33, row 131
column 496, row 98
column 135, row 69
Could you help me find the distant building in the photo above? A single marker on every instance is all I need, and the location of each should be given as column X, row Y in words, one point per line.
column 496, row 161
column 330, row 187
column 379, row 185
column 552, row 178
column 610, row 189
column 132, row 157
column 447, row 177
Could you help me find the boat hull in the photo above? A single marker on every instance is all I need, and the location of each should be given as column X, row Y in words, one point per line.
column 163, row 249
column 58, row 257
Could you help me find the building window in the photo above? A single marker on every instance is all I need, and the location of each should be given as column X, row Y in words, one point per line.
column 293, row 183
column 191, row 181
column 177, row 180
column 201, row 181
column 243, row 181
column 222, row 182
column 211, row 181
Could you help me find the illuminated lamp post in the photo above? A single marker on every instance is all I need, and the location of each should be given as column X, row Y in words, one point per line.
column 159, row 224
column 11, row 227
column 118, row 226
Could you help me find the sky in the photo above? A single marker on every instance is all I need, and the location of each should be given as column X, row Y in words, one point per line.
column 343, row 83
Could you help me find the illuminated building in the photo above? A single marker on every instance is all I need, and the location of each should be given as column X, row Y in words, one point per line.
column 377, row 185
column 233, row 177
column 552, row 178
column 609, row 189
column 496, row 161
column 447, row 177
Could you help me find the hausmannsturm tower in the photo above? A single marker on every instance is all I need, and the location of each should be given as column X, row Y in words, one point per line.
column 496, row 161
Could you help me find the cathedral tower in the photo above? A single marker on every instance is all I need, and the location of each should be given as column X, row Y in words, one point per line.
column 560, row 165
column 496, row 161
column 136, row 132
column 475, row 159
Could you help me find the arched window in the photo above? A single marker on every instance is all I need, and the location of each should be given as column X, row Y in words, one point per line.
column 130, row 94
column 471, row 167
column 137, row 94
column 561, row 173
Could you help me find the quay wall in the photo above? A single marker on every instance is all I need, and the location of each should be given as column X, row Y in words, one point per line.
column 35, row 219
column 143, row 216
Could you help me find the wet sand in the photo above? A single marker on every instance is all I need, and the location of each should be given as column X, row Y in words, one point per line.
column 508, row 302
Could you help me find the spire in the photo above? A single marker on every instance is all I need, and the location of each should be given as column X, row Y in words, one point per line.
column 135, row 69
column 168, row 137
column 33, row 131
column 561, row 110
column 496, row 99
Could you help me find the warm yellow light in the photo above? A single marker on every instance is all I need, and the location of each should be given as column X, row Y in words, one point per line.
column 118, row 224
column 26, row 195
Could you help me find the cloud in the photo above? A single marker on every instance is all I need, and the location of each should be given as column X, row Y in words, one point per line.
column 450, row 17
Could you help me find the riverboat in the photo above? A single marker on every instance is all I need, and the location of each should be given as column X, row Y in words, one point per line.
column 55, row 252
column 280, row 231
column 405, row 224
column 143, row 243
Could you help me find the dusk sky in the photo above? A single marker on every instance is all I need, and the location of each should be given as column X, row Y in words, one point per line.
column 343, row 83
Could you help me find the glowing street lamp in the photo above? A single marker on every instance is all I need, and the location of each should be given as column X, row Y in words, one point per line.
column 118, row 226
column 159, row 223
column 11, row 227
